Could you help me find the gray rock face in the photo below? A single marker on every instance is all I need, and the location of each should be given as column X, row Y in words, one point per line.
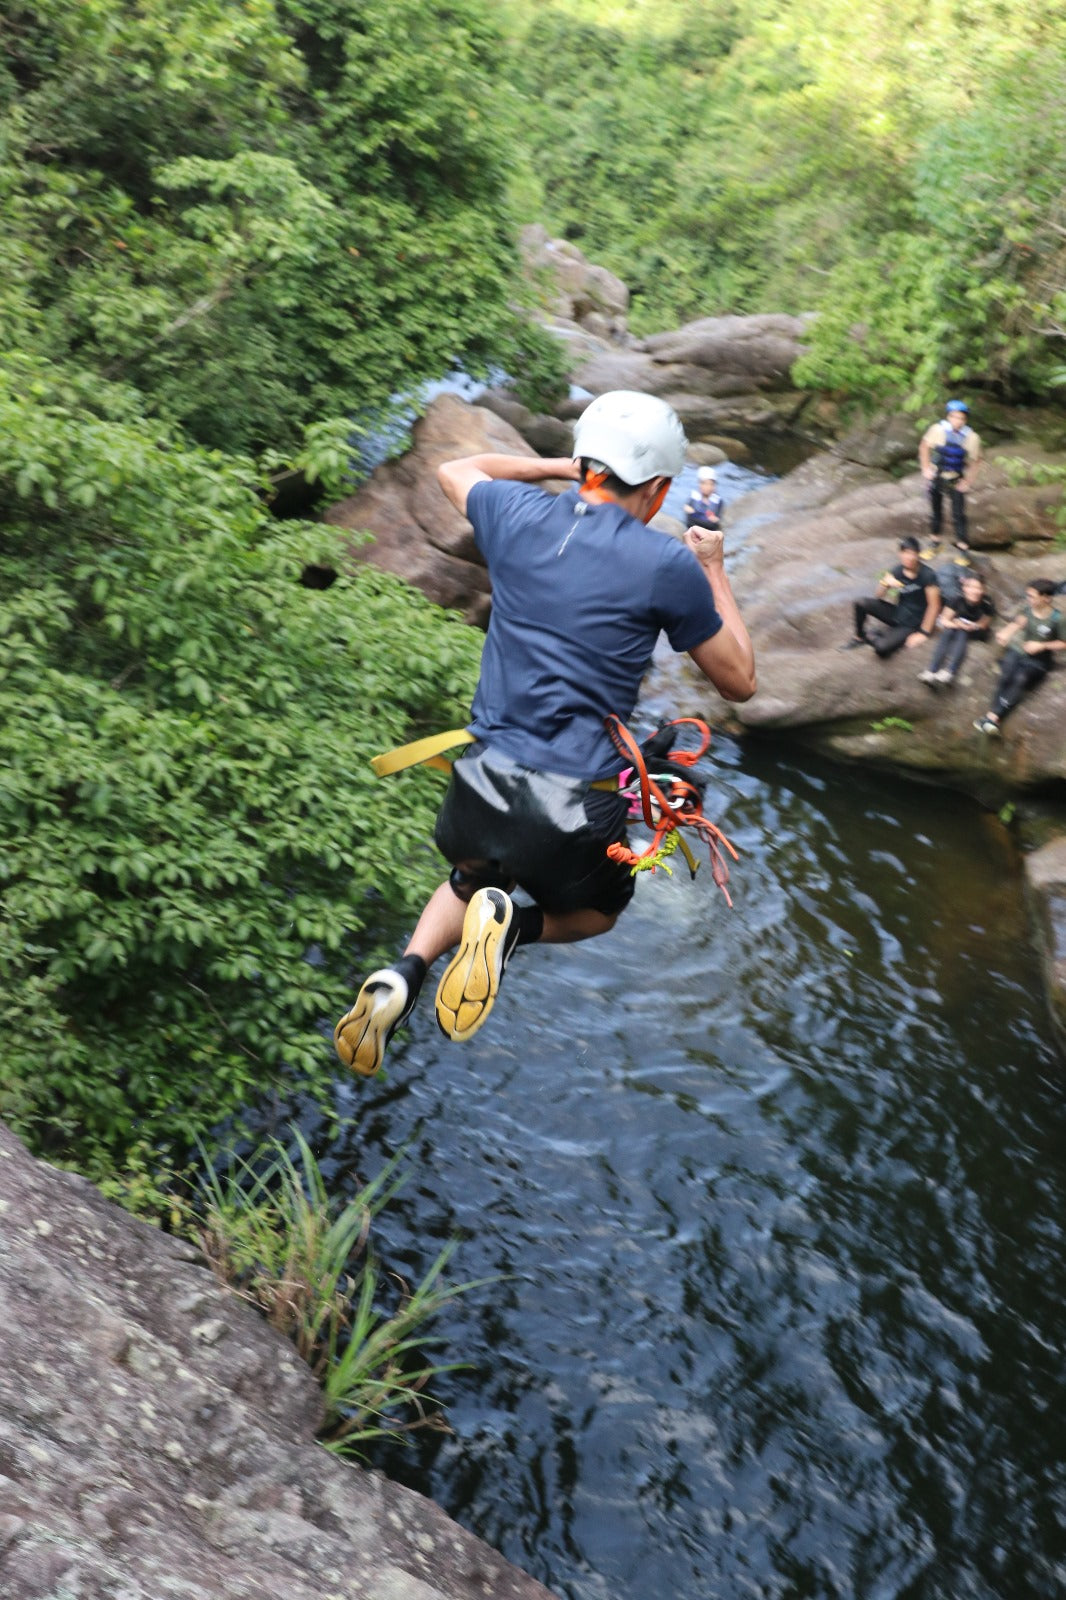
column 1045, row 879
column 156, row 1437
column 721, row 374
column 577, row 292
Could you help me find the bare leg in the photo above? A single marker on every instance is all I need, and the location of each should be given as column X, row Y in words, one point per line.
column 574, row 925
column 440, row 926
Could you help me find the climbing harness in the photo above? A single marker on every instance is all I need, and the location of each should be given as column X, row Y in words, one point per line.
column 667, row 800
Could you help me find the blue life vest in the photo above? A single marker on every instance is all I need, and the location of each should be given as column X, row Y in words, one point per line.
column 951, row 458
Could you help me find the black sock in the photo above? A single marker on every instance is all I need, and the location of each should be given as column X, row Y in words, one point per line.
column 530, row 921
column 413, row 971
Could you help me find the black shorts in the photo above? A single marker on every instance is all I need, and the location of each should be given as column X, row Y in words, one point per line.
column 502, row 823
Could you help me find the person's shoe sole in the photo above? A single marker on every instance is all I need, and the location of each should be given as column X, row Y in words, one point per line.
column 361, row 1036
column 471, row 981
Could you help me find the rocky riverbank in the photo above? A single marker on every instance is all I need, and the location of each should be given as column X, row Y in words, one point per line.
column 157, row 1438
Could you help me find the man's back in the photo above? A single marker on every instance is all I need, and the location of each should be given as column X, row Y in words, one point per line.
column 580, row 594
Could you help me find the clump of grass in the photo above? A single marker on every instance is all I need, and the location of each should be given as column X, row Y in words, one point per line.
column 271, row 1231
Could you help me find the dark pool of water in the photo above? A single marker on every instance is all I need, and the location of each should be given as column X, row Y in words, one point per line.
column 776, row 1198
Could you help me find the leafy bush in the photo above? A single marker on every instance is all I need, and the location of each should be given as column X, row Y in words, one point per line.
column 256, row 215
column 192, row 836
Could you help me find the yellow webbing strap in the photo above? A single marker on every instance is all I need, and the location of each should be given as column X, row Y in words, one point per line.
column 686, row 850
column 426, row 752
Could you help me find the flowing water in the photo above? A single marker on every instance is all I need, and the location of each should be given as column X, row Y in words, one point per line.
column 775, row 1204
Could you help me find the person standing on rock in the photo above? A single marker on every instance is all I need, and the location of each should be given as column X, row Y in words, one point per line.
column 950, row 456
column 1033, row 640
column 704, row 506
column 581, row 589
column 912, row 611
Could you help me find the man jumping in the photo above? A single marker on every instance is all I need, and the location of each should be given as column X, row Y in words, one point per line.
column 581, row 589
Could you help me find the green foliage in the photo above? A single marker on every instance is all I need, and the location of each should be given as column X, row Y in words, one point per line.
column 896, row 170
column 887, row 724
column 270, row 1229
column 260, row 215
column 192, row 834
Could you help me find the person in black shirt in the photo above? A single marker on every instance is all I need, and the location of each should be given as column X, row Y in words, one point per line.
column 970, row 617
column 910, row 615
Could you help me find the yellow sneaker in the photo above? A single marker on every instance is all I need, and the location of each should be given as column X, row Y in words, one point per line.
column 360, row 1037
column 467, row 991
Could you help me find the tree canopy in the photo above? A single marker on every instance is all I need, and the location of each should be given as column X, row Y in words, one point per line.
column 899, row 168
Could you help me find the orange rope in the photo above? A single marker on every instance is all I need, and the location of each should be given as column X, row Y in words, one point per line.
column 683, row 808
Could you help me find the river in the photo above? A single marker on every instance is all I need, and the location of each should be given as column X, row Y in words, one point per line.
column 774, row 1199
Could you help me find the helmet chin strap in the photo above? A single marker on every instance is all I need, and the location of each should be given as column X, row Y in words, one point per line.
column 593, row 491
column 592, row 488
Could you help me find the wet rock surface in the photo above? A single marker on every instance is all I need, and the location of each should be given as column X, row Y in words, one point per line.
column 157, row 1438
column 1045, row 880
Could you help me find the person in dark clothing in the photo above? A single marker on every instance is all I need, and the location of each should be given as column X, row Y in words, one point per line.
column 909, row 616
column 950, row 454
column 968, row 617
column 582, row 587
column 1033, row 640
column 703, row 508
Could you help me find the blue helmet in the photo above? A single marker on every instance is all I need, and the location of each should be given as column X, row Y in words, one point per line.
column 958, row 405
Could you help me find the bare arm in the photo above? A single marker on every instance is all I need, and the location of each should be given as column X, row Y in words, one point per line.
column 457, row 478
column 727, row 660
column 1006, row 634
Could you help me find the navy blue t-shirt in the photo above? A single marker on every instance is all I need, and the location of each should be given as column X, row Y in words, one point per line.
column 580, row 594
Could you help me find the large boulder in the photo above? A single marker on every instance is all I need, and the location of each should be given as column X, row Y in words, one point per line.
column 157, row 1438
column 814, row 543
column 721, row 374
column 762, row 348
column 575, row 291
column 417, row 533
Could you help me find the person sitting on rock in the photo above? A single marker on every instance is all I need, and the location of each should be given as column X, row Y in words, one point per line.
column 950, row 455
column 704, row 507
column 581, row 589
column 968, row 617
column 1033, row 640
column 910, row 614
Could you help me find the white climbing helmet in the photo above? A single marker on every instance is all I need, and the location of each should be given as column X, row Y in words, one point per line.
column 636, row 436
